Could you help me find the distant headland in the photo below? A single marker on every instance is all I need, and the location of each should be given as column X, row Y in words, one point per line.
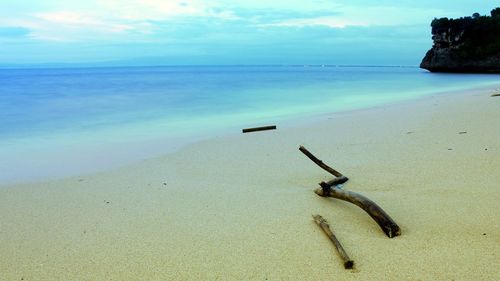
column 468, row 44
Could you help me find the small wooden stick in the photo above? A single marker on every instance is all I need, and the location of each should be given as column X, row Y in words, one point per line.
column 319, row 162
column 321, row 222
column 390, row 228
column 495, row 95
column 248, row 130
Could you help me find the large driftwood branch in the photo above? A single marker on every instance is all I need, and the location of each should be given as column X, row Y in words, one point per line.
column 320, row 163
column 321, row 222
column 390, row 228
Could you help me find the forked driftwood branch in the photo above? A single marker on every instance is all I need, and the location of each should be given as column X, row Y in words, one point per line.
column 329, row 189
column 321, row 222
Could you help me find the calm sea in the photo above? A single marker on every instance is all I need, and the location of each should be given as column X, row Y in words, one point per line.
column 60, row 122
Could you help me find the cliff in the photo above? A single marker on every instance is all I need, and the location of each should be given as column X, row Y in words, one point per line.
column 469, row 44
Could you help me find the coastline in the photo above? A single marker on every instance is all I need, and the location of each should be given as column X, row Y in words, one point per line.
column 139, row 116
column 240, row 206
column 57, row 156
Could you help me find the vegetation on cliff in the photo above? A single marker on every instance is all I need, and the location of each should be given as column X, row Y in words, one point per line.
column 473, row 37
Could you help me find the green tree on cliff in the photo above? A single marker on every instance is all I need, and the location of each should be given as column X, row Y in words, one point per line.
column 474, row 37
column 495, row 12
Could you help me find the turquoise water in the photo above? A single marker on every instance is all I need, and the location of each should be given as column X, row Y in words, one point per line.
column 58, row 122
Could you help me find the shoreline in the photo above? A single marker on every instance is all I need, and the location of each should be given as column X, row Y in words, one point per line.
column 151, row 148
column 238, row 207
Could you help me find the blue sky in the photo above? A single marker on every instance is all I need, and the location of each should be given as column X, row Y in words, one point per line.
column 187, row 32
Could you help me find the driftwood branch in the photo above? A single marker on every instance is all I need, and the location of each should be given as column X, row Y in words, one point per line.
column 328, row 189
column 321, row 222
column 390, row 228
column 334, row 182
column 320, row 163
column 265, row 128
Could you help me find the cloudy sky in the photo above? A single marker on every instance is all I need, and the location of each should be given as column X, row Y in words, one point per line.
column 194, row 32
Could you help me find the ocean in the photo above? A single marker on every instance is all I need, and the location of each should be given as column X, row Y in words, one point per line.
column 68, row 121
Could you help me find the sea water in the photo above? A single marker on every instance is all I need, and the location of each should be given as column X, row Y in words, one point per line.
column 68, row 121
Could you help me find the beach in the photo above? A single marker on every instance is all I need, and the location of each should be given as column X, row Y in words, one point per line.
column 240, row 206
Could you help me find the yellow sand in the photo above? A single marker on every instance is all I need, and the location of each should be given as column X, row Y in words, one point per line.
column 239, row 207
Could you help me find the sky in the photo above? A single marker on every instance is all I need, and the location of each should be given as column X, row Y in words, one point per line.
column 222, row 32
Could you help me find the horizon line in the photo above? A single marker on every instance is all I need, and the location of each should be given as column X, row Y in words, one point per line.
column 103, row 65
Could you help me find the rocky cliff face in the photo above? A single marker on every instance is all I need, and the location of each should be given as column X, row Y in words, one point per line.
column 470, row 44
column 447, row 60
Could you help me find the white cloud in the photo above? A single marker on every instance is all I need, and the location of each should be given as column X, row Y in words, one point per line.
column 68, row 18
column 164, row 10
column 121, row 19
column 81, row 20
column 70, row 26
column 366, row 16
column 105, row 19
column 140, row 10
column 223, row 14
column 332, row 22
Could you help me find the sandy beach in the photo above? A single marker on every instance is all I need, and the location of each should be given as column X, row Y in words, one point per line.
column 239, row 207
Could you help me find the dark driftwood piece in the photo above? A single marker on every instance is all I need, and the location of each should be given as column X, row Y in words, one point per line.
column 321, row 222
column 335, row 181
column 320, row 163
column 328, row 189
column 390, row 228
column 495, row 95
column 248, row 130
